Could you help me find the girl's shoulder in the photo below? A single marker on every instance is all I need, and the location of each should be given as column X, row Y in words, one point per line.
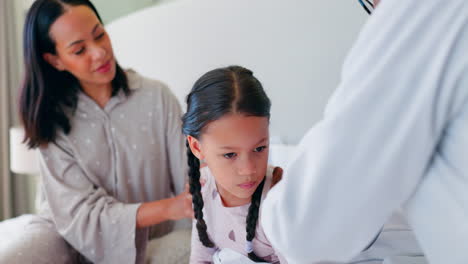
column 208, row 180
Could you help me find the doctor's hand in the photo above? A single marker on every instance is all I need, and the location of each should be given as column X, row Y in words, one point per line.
column 277, row 176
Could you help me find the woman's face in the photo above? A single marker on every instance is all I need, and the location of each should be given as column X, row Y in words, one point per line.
column 235, row 148
column 83, row 47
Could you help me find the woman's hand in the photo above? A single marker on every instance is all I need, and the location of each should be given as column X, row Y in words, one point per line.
column 175, row 208
column 181, row 205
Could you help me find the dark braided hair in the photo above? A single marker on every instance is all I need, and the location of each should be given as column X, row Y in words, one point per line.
column 222, row 91
column 252, row 217
column 195, row 190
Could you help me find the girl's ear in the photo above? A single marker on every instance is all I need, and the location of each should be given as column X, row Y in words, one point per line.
column 54, row 60
column 195, row 147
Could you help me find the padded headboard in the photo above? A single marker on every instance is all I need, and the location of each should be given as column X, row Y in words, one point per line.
column 295, row 48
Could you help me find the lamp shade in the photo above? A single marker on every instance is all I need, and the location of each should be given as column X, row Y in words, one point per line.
column 22, row 159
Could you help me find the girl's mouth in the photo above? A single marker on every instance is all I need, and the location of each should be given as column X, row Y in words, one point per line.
column 247, row 185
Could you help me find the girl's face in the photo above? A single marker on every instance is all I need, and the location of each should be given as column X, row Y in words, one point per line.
column 235, row 148
column 83, row 47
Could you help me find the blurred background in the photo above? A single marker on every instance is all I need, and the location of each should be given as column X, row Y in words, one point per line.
column 295, row 48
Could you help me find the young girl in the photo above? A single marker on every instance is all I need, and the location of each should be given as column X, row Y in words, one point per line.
column 226, row 125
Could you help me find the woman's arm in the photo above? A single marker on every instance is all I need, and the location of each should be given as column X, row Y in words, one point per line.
column 99, row 226
column 95, row 223
column 368, row 155
column 175, row 208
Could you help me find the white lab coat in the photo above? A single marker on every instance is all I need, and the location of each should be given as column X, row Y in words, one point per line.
column 394, row 134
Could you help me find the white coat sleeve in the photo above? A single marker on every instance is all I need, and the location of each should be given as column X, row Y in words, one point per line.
column 375, row 142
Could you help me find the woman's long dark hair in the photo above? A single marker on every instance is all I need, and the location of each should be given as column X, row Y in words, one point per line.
column 46, row 91
column 219, row 92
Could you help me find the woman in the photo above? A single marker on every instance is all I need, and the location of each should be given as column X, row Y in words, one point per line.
column 110, row 143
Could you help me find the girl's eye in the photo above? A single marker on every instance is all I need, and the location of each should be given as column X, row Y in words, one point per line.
column 230, row 155
column 260, row 149
column 79, row 51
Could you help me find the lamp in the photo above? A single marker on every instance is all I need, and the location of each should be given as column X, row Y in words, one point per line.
column 22, row 159
column 24, row 162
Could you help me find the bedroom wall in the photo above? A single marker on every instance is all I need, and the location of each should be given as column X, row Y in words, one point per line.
column 296, row 49
column 113, row 9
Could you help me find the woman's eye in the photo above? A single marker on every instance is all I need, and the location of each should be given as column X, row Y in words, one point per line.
column 230, row 155
column 100, row 35
column 79, row 51
column 260, row 149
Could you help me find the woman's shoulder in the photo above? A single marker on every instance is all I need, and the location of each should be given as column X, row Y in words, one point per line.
column 137, row 81
column 150, row 88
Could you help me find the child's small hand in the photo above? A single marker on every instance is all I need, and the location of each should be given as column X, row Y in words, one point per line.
column 277, row 176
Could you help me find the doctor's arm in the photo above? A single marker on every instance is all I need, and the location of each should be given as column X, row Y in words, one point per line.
column 375, row 142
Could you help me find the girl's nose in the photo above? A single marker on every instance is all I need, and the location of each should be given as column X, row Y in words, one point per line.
column 247, row 167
